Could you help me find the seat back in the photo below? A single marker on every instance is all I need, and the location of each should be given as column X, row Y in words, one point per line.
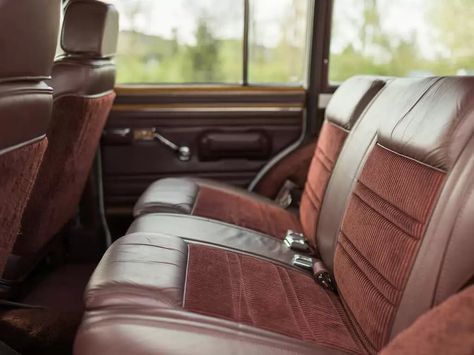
column 405, row 242
column 26, row 59
column 344, row 110
column 83, row 82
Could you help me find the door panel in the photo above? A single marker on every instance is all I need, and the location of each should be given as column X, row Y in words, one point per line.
column 232, row 132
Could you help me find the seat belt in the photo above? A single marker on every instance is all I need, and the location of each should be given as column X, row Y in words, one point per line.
column 289, row 195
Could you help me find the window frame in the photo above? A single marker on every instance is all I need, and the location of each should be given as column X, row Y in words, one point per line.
column 244, row 82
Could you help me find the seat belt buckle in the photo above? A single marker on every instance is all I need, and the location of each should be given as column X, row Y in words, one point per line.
column 296, row 241
column 285, row 197
column 322, row 276
column 303, row 262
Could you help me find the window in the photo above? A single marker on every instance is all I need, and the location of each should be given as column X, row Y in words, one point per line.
column 401, row 38
column 202, row 41
column 278, row 41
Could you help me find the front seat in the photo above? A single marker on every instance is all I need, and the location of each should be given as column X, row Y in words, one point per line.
column 83, row 82
column 27, row 55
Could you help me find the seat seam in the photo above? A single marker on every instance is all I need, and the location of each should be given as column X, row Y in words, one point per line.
column 388, row 220
column 346, row 238
column 365, row 276
column 406, row 214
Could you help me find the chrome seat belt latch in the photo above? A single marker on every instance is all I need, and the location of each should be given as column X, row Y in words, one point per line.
column 296, row 241
column 303, row 262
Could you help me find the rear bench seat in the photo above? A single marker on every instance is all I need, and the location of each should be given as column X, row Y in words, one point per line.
column 217, row 201
column 327, row 216
column 395, row 229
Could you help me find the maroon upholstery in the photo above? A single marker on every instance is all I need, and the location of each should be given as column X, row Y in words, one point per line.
column 294, row 167
column 380, row 236
column 330, row 142
column 83, row 82
column 250, row 291
column 245, row 212
column 28, row 37
column 403, row 243
column 183, row 196
column 447, row 329
column 19, row 169
column 75, row 129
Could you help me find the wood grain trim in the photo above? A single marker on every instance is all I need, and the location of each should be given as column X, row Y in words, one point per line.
column 235, row 107
column 150, row 90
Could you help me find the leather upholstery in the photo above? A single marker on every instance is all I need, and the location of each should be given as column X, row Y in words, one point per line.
column 157, row 278
column 25, row 105
column 83, row 81
column 126, row 279
column 19, row 102
column 400, row 199
column 26, row 51
column 400, row 96
column 346, row 107
column 89, row 40
column 352, row 98
column 220, row 234
column 81, row 76
column 178, row 195
column 90, row 29
column 163, row 331
column 168, row 195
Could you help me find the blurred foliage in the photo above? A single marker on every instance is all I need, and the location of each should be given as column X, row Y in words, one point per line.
column 384, row 53
column 146, row 58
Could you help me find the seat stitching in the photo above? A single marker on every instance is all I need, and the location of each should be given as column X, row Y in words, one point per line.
column 313, row 195
column 385, row 218
column 323, row 163
column 289, row 302
column 154, row 246
column 368, row 262
column 326, row 156
column 389, row 203
column 300, row 307
column 343, row 249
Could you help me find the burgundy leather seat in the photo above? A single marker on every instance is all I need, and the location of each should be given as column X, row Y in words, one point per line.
column 83, row 81
column 395, row 230
column 221, row 202
column 26, row 59
column 327, row 218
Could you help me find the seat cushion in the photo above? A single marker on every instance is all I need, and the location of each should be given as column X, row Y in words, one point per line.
column 217, row 293
column 219, row 202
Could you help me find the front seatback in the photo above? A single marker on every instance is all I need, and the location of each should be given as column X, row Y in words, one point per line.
column 26, row 59
column 83, row 82
column 411, row 207
column 347, row 105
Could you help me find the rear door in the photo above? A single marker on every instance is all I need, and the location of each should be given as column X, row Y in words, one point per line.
column 223, row 80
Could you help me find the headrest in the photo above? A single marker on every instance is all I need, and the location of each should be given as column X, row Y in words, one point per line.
column 351, row 98
column 90, row 29
column 28, row 38
column 437, row 128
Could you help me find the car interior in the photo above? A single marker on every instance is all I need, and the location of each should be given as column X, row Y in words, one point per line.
column 236, row 177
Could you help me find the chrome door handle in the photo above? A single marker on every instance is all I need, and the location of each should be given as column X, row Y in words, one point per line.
column 151, row 134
